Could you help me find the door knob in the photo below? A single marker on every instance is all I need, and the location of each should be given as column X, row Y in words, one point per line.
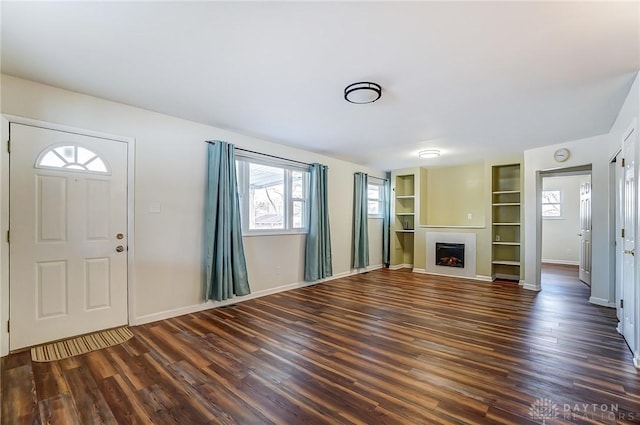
column 119, row 248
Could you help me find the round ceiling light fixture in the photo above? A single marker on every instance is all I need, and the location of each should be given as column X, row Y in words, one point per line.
column 363, row 92
column 429, row 153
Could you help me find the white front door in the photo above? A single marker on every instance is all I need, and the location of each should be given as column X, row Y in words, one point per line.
column 68, row 242
column 585, row 233
column 628, row 243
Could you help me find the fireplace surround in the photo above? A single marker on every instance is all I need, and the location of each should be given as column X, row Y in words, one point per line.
column 468, row 266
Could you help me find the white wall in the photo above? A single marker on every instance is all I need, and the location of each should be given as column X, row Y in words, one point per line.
column 170, row 169
column 592, row 150
column 630, row 110
column 560, row 240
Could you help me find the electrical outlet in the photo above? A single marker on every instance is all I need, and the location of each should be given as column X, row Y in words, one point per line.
column 469, row 216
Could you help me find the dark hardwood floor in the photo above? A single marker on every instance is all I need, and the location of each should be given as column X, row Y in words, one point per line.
column 386, row 347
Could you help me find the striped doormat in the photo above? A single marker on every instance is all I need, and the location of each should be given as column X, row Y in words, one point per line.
column 80, row 345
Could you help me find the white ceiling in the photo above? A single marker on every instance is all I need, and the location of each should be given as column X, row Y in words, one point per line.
column 474, row 79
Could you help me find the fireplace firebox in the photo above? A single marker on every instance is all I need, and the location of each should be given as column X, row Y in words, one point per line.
column 450, row 254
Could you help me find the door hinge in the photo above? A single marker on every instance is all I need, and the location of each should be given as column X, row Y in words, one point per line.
column 622, row 233
column 8, row 326
column 9, row 145
column 8, row 237
column 621, row 303
column 622, row 163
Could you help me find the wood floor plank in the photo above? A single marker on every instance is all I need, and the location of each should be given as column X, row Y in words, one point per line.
column 19, row 402
column 59, row 410
column 384, row 347
column 88, row 399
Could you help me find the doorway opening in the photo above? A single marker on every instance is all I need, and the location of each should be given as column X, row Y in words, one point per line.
column 566, row 224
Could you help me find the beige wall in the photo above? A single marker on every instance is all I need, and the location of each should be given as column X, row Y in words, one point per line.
column 455, row 196
column 170, row 166
column 560, row 240
column 475, row 176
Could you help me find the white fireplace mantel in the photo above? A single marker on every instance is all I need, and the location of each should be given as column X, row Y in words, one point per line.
column 469, row 241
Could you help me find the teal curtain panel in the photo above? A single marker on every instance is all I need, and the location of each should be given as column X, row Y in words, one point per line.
column 226, row 266
column 360, row 221
column 317, row 259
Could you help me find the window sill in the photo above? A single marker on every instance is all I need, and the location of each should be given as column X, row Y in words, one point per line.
column 274, row 233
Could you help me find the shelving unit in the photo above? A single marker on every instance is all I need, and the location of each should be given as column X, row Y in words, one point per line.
column 506, row 213
column 405, row 217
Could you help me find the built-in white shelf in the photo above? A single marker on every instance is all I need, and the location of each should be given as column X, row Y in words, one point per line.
column 506, row 262
column 506, row 202
column 504, row 192
column 406, row 197
column 405, row 213
column 405, row 231
column 438, row 226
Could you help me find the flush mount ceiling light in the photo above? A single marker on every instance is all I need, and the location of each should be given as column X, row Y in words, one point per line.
column 363, row 92
column 429, row 153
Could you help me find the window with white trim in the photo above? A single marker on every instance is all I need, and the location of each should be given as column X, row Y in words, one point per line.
column 375, row 200
column 552, row 204
column 274, row 197
column 71, row 157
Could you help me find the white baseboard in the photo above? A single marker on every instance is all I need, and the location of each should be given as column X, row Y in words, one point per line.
column 561, row 262
column 477, row 277
column 619, row 328
column 506, row 276
column 484, row 278
column 636, row 362
column 530, row 287
column 365, row 270
column 167, row 314
column 602, row 302
column 401, row 266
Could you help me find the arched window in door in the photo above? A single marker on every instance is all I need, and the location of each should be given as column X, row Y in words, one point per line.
column 71, row 157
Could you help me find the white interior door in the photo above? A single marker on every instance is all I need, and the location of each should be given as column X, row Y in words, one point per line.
column 619, row 222
column 628, row 243
column 68, row 218
column 585, row 233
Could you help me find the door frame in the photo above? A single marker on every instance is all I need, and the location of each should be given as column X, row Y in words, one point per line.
column 580, row 170
column 5, row 185
column 635, row 350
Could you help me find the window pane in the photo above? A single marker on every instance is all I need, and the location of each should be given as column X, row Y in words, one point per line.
column 266, row 197
column 272, row 197
column 52, row 160
column 373, row 191
column 551, row 210
column 67, row 152
column 84, row 155
column 96, row 164
column 374, row 208
column 297, row 184
column 298, row 215
column 551, row 197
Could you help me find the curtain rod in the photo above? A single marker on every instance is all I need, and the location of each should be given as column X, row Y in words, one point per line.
column 266, row 154
column 378, row 178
